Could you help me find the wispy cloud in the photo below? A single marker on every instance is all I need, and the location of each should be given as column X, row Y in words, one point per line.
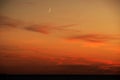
column 41, row 28
column 9, row 22
column 46, row 29
column 93, row 38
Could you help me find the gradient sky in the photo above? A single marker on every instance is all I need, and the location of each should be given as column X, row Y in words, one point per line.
column 96, row 16
column 80, row 28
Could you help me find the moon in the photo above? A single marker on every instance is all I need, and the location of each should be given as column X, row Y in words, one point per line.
column 49, row 10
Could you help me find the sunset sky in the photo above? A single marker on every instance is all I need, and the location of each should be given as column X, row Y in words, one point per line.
column 88, row 29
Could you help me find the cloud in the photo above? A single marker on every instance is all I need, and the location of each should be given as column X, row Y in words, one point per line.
column 39, row 28
column 46, row 29
column 9, row 22
column 30, row 62
column 93, row 38
column 31, row 59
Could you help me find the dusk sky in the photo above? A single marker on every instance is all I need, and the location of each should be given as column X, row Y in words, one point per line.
column 88, row 29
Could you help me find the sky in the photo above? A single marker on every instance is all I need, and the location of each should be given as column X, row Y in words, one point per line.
column 60, row 29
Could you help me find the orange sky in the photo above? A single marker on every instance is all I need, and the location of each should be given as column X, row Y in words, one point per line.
column 77, row 28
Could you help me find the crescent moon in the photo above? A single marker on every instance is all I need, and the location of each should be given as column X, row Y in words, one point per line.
column 49, row 10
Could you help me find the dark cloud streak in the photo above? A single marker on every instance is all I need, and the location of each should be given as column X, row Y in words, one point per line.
column 6, row 22
column 94, row 38
column 46, row 29
column 9, row 22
